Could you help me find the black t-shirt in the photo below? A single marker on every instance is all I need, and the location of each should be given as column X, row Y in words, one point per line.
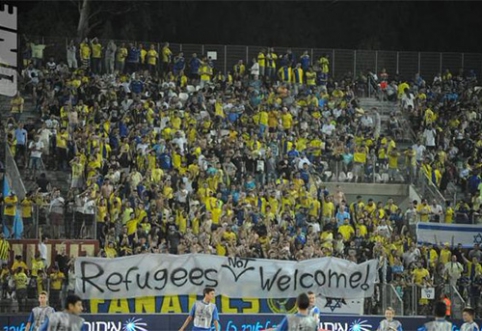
column 43, row 183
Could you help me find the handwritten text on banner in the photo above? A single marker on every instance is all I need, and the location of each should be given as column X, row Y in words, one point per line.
column 158, row 274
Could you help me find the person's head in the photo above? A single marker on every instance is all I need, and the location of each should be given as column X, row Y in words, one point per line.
column 303, row 301
column 389, row 313
column 43, row 298
column 468, row 314
column 312, row 298
column 73, row 304
column 440, row 309
column 209, row 294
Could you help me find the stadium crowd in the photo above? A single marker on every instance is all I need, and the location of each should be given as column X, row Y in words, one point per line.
column 167, row 154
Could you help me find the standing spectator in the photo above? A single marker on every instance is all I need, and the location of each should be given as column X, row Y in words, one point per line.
column 56, row 281
column 72, row 55
column 35, row 147
column 166, row 59
column 21, row 146
column 132, row 60
column 430, row 138
column 96, row 56
column 453, row 270
column 56, row 213
column 27, row 219
column 152, row 58
column 16, row 106
column 21, row 281
column 85, row 53
column 142, row 57
column 110, row 52
column 179, row 64
column 121, row 58
column 37, row 53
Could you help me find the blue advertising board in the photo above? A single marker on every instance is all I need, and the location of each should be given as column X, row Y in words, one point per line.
column 229, row 322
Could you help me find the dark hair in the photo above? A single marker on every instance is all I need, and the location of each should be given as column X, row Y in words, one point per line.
column 470, row 311
column 440, row 309
column 310, row 292
column 208, row 290
column 303, row 302
column 71, row 300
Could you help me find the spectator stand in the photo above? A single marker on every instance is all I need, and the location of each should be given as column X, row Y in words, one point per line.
column 347, row 77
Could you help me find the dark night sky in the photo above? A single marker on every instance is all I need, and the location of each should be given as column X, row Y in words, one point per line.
column 388, row 25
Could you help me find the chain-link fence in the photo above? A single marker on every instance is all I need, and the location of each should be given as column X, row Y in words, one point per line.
column 342, row 62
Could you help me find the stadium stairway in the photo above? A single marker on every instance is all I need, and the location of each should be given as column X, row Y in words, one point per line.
column 58, row 179
column 385, row 108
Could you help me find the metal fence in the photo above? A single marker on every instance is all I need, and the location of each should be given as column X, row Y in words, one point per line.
column 343, row 62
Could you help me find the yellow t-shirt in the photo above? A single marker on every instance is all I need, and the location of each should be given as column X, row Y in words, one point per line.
column 10, row 205
column 26, row 208
column 96, row 51
column 152, row 57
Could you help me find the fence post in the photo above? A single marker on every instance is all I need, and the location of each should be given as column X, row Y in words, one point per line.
column 159, row 59
column 180, row 47
column 247, row 56
column 202, row 50
column 463, row 60
column 376, row 62
column 398, row 63
column 418, row 67
column 225, row 59
column 354, row 61
column 441, row 63
column 333, row 63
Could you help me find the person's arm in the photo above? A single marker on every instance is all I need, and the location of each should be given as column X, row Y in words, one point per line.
column 189, row 318
column 283, row 326
column 29, row 322
column 216, row 319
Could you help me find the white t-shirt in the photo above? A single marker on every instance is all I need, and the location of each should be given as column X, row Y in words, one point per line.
column 429, row 136
column 420, row 150
column 36, row 148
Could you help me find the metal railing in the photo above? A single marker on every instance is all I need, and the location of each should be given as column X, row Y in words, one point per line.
column 13, row 174
column 343, row 62
column 391, row 298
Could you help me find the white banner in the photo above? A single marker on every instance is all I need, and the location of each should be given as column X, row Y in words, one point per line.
column 159, row 274
column 340, row 306
column 436, row 233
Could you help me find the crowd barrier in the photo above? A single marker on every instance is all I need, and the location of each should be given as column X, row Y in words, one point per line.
column 168, row 322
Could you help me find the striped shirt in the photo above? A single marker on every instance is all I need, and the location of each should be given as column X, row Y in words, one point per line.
column 4, row 250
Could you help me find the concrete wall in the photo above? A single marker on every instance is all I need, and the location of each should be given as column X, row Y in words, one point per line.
column 400, row 193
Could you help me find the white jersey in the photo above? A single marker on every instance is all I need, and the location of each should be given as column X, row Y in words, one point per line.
column 437, row 325
column 203, row 315
column 39, row 315
column 469, row 327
